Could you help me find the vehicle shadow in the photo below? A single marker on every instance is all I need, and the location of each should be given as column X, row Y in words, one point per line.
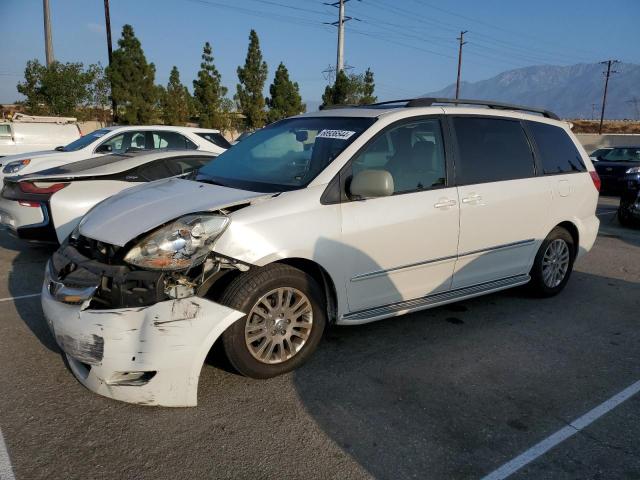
column 25, row 278
column 453, row 391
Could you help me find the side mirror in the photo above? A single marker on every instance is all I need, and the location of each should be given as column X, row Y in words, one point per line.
column 104, row 149
column 371, row 184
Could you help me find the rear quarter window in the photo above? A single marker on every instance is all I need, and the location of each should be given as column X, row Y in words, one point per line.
column 491, row 150
column 557, row 151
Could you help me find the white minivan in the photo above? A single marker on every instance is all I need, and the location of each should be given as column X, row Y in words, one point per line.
column 342, row 216
column 27, row 133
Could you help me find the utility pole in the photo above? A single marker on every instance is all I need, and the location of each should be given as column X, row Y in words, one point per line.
column 462, row 42
column 107, row 21
column 593, row 111
column 342, row 19
column 607, row 74
column 48, row 43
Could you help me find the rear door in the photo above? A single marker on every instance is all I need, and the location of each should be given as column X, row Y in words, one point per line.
column 503, row 204
column 401, row 247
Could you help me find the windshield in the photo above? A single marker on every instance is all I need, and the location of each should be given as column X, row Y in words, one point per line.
column 286, row 155
column 82, row 142
column 623, row 154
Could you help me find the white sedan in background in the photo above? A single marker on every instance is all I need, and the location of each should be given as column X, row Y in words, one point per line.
column 116, row 140
column 46, row 206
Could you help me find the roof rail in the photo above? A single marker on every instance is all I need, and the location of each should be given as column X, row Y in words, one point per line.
column 336, row 107
column 429, row 101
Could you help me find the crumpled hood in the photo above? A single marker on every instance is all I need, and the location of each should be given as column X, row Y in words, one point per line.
column 128, row 214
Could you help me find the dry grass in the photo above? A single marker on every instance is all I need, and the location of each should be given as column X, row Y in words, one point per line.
column 609, row 126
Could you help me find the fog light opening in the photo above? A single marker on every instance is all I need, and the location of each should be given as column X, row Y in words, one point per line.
column 131, row 379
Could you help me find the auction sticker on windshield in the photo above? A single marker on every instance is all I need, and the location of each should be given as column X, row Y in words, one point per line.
column 337, row 134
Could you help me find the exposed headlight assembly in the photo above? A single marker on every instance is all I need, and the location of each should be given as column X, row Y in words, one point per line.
column 182, row 244
column 633, row 170
column 14, row 167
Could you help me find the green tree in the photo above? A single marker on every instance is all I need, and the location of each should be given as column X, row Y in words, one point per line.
column 57, row 89
column 354, row 89
column 368, row 87
column 176, row 101
column 285, row 99
column 340, row 92
column 209, row 92
column 250, row 90
column 99, row 92
column 132, row 81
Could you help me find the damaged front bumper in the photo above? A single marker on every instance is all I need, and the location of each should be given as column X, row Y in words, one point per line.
column 150, row 355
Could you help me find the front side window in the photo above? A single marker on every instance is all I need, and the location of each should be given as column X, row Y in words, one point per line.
column 559, row 154
column 412, row 153
column 285, row 155
column 491, row 150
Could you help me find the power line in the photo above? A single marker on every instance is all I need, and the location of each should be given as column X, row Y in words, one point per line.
column 607, row 74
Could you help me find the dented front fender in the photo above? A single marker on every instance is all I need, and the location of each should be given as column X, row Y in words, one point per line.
column 148, row 355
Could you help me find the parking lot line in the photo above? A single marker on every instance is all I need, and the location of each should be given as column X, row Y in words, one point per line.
column 564, row 433
column 20, row 297
column 6, row 471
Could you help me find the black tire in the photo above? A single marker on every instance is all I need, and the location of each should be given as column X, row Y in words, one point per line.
column 624, row 218
column 244, row 292
column 537, row 284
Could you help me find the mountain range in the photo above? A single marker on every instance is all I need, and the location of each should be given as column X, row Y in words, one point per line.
column 573, row 91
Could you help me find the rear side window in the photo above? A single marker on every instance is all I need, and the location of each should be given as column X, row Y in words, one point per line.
column 172, row 140
column 214, row 138
column 491, row 150
column 558, row 152
column 5, row 130
column 182, row 165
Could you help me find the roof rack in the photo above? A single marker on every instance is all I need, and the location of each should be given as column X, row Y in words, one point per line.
column 429, row 101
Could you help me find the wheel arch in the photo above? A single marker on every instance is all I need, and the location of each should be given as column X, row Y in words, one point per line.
column 573, row 231
column 320, row 275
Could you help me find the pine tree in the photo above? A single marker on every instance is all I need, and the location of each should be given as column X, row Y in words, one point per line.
column 285, row 99
column 209, row 92
column 338, row 93
column 132, row 81
column 252, row 78
column 368, row 87
column 175, row 101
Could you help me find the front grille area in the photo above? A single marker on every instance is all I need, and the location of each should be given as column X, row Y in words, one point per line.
column 85, row 262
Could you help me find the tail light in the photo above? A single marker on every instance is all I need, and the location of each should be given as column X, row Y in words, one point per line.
column 596, row 179
column 29, row 187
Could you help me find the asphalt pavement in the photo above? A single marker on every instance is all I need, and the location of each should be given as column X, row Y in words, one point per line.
column 451, row 393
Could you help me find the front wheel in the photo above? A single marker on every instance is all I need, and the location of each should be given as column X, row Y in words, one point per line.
column 284, row 321
column 553, row 264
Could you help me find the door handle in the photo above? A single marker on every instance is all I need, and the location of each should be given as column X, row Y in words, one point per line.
column 472, row 199
column 444, row 203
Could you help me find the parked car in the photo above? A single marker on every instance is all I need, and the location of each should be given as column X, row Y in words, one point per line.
column 27, row 133
column 600, row 152
column 46, row 206
column 117, row 140
column 629, row 209
column 341, row 216
column 612, row 167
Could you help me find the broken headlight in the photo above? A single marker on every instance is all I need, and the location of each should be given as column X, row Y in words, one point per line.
column 182, row 244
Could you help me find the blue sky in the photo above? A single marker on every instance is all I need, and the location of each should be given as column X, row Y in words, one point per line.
column 410, row 44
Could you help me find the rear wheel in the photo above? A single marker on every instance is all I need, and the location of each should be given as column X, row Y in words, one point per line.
column 553, row 264
column 624, row 217
column 284, row 322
